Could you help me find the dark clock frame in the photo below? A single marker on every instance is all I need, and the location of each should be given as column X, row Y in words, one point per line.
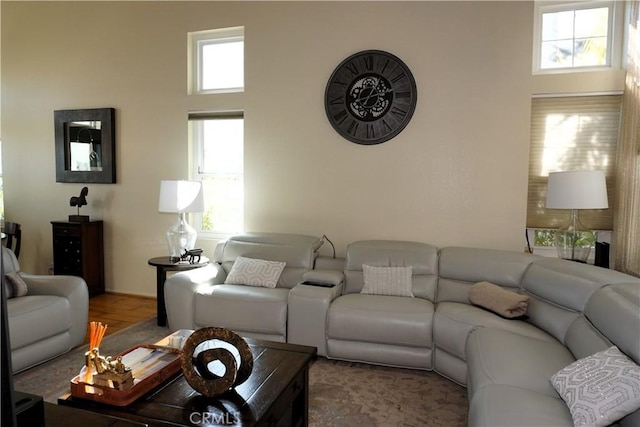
column 370, row 97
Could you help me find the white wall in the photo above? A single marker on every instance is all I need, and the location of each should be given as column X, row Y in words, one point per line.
column 457, row 175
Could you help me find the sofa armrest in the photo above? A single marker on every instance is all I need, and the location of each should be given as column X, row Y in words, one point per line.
column 62, row 286
column 333, row 277
column 72, row 288
column 180, row 290
column 307, row 315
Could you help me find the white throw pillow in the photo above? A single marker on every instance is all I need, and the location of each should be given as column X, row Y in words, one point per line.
column 8, row 289
column 599, row 389
column 255, row 272
column 15, row 286
column 395, row 281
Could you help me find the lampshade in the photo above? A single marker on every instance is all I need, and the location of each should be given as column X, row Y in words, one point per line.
column 181, row 196
column 584, row 189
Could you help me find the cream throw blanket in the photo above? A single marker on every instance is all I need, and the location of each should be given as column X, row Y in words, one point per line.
column 493, row 297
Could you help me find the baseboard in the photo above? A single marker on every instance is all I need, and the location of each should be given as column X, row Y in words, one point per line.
column 125, row 294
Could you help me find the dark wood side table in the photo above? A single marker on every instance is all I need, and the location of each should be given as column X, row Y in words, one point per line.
column 78, row 250
column 162, row 265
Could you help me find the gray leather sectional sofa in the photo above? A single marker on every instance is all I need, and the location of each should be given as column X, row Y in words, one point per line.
column 49, row 320
column 575, row 310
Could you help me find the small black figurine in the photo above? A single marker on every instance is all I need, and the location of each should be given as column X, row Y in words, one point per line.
column 193, row 255
column 79, row 201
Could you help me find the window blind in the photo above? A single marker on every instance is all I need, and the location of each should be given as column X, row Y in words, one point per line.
column 213, row 115
column 572, row 133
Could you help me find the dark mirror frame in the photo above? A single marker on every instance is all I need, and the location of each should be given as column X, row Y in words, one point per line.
column 108, row 145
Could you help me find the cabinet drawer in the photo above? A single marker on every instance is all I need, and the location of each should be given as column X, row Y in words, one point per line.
column 68, row 270
column 61, row 230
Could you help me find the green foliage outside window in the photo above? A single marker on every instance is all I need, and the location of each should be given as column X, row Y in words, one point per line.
column 544, row 238
column 226, row 213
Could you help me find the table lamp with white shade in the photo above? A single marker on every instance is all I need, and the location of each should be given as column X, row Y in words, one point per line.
column 576, row 190
column 180, row 197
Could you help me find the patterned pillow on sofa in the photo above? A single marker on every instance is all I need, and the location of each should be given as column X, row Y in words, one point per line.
column 255, row 272
column 599, row 389
column 395, row 281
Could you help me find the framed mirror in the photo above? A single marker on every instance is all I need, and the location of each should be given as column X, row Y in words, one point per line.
column 85, row 145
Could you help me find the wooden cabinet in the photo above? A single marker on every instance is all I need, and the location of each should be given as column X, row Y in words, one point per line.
column 78, row 250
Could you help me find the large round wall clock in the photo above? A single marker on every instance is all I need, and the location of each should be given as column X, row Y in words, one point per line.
column 370, row 97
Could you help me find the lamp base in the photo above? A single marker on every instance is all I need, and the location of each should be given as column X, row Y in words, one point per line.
column 568, row 246
column 181, row 238
column 573, row 240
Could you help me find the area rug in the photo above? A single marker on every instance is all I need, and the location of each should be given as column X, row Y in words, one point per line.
column 340, row 393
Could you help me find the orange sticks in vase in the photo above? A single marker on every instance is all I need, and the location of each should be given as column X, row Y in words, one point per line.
column 96, row 333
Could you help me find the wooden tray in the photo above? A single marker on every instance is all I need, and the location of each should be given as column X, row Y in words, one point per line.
column 148, row 373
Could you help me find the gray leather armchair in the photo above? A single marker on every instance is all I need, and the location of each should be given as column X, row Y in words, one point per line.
column 47, row 322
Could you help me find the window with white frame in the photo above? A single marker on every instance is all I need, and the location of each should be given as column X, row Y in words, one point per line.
column 218, row 147
column 577, row 35
column 217, row 61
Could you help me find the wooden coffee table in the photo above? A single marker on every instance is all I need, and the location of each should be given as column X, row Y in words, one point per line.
column 276, row 393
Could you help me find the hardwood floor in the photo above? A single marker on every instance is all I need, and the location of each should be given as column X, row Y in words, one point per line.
column 118, row 311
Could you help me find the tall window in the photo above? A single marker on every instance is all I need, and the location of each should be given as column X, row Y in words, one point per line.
column 219, row 160
column 576, row 35
column 217, row 138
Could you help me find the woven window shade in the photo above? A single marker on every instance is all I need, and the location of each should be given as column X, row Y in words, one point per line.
column 216, row 115
column 572, row 133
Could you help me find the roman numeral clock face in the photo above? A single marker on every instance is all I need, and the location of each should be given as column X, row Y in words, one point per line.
column 370, row 97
